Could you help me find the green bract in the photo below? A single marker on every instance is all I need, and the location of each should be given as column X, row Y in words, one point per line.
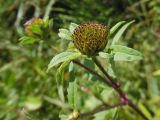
column 90, row 38
column 33, row 26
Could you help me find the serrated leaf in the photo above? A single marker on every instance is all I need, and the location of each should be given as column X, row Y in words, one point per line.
column 115, row 27
column 125, row 57
column 64, row 56
column 72, row 94
column 120, row 32
column 64, row 34
column 27, row 40
column 72, row 27
column 127, row 50
column 59, row 80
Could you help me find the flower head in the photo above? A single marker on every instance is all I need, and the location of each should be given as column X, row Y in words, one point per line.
column 38, row 22
column 90, row 38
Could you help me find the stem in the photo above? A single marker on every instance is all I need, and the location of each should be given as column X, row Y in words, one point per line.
column 109, row 81
column 93, row 72
column 100, row 109
column 48, row 9
column 114, row 84
column 119, row 91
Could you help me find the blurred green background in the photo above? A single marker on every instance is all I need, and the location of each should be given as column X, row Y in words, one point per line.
column 27, row 92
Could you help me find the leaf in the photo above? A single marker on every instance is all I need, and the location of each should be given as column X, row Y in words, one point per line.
column 72, row 94
column 104, row 55
column 145, row 111
column 111, row 69
column 64, row 34
column 123, row 53
column 64, row 56
column 120, row 32
column 72, row 27
column 60, row 72
column 125, row 57
column 36, row 29
column 70, row 66
column 28, row 40
column 115, row 27
column 156, row 73
column 127, row 50
column 33, row 103
column 59, row 80
column 105, row 115
column 64, row 117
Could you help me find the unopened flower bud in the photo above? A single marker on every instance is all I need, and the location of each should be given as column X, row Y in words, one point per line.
column 33, row 22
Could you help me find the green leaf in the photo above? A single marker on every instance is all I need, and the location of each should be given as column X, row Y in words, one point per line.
column 33, row 103
column 60, row 72
column 72, row 94
column 28, row 40
column 64, row 56
column 104, row 55
column 64, row 34
column 145, row 111
column 59, row 80
column 111, row 68
column 46, row 22
column 64, row 117
column 123, row 53
column 115, row 27
column 72, row 27
column 105, row 115
column 125, row 57
column 70, row 66
column 127, row 50
column 120, row 32
column 36, row 29
column 156, row 73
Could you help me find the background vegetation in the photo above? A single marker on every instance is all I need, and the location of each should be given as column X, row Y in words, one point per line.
column 28, row 92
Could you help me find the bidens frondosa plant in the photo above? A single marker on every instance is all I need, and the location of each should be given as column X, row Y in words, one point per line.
column 92, row 41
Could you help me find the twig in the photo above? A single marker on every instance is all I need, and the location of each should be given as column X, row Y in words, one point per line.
column 93, row 72
column 100, row 109
column 120, row 92
column 108, row 80
column 114, row 84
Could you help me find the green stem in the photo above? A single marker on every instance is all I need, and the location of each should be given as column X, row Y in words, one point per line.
column 49, row 8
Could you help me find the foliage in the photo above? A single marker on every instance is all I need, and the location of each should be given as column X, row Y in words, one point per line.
column 29, row 92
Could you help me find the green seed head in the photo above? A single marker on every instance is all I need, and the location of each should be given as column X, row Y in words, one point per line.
column 90, row 38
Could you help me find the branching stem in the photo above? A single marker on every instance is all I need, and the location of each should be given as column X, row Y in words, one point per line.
column 100, row 109
column 109, row 81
